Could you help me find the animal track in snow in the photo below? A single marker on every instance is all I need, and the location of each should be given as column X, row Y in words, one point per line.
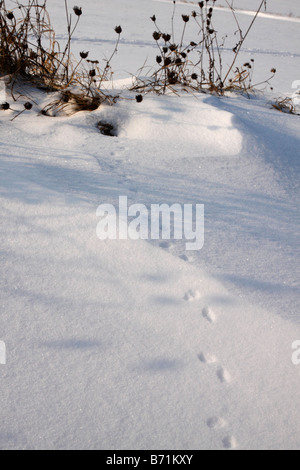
column 216, row 423
column 192, row 295
column 209, row 315
column 166, row 245
column 229, row 442
column 207, row 358
column 223, row 375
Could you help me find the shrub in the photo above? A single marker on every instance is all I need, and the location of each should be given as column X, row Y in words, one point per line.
column 29, row 51
column 198, row 65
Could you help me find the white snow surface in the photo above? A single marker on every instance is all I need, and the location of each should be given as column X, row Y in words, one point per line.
column 141, row 345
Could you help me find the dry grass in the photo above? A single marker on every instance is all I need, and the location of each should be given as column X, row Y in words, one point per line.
column 30, row 52
column 285, row 105
column 197, row 65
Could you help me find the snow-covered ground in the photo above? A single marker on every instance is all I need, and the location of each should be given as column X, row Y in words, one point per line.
column 142, row 345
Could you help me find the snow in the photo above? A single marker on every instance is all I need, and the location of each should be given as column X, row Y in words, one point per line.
column 142, row 345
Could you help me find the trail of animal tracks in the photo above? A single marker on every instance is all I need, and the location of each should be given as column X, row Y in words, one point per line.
column 130, row 344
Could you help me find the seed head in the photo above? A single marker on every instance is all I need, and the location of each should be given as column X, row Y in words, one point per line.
column 194, row 14
column 92, row 73
column 193, row 44
column 186, row 18
column 84, row 55
column 201, row 4
column 173, row 48
column 167, row 61
column 172, row 78
column 166, row 37
column 5, row 106
column 156, row 36
column 77, row 11
column 159, row 59
column 273, row 70
column 153, row 18
column 118, row 29
column 10, row 15
column 139, row 98
column 165, row 50
column 194, row 76
column 28, row 106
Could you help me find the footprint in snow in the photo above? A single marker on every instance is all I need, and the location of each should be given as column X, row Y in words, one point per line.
column 207, row 358
column 216, row 423
column 192, row 295
column 229, row 442
column 223, row 375
column 209, row 315
column 166, row 245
